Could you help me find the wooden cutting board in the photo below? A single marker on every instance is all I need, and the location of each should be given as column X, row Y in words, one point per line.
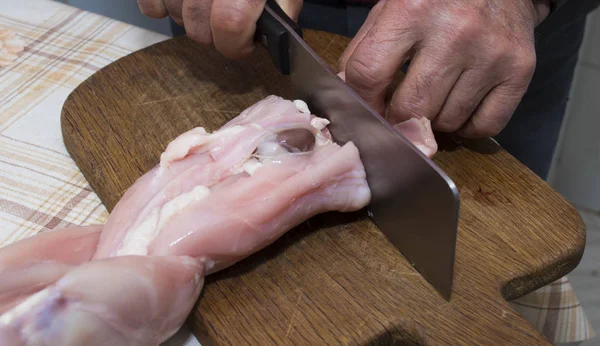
column 335, row 279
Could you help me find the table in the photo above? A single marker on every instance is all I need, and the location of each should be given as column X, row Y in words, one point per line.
column 43, row 189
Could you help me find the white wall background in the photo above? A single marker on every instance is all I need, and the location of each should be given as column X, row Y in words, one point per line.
column 576, row 168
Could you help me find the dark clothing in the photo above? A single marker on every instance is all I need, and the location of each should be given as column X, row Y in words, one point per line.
column 532, row 133
column 176, row 29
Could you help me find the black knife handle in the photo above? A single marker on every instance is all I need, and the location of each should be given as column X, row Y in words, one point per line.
column 274, row 36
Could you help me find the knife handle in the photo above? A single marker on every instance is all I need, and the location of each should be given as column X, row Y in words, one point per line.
column 274, row 36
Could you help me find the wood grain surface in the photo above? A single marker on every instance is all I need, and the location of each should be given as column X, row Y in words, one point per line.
column 335, row 279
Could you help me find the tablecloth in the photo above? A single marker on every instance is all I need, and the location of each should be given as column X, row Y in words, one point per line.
column 40, row 186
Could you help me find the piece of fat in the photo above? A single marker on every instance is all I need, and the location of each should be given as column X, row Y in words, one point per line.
column 322, row 140
column 251, row 165
column 180, row 146
column 301, row 106
column 319, row 123
column 137, row 240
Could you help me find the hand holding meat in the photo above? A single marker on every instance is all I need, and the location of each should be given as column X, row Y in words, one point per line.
column 229, row 25
column 471, row 61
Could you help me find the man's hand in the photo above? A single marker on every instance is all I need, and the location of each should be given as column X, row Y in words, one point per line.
column 229, row 25
column 471, row 60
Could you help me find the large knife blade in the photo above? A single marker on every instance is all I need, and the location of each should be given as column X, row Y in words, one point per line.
column 414, row 203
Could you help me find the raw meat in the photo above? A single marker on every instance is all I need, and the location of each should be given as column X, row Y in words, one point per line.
column 419, row 132
column 416, row 130
column 29, row 265
column 214, row 199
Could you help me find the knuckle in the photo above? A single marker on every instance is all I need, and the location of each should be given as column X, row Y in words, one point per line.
column 411, row 107
column 526, row 62
column 415, row 7
column 361, row 75
column 498, row 51
column 495, row 48
column 229, row 20
column 518, row 73
column 518, row 65
column 465, row 28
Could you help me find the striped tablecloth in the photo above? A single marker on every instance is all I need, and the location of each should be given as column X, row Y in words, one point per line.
column 40, row 186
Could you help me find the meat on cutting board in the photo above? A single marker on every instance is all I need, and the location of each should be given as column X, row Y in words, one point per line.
column 213, row 199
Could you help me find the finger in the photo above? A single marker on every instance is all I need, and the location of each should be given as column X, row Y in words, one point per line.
column 430, row 78
column 374, row 62
column 196, row 19
column 494, row 112
column 233, row 23
column 152, row 8
column 291, row 7
column 463, row 100
column 360, row 35
column 174, row 8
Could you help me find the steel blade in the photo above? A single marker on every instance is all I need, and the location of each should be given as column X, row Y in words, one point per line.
column 414, row 203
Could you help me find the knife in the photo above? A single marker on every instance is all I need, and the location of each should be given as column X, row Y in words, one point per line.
column 414, row 203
